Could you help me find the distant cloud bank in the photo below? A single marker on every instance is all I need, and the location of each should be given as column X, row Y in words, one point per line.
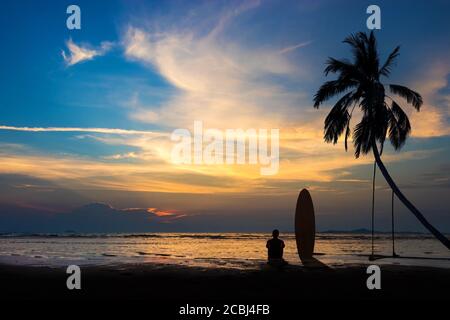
column 90, row 218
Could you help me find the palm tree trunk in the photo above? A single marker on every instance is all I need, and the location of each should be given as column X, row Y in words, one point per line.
column 443, row 239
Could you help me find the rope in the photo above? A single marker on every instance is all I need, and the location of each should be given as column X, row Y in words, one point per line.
column 373, row 205
column 392, row 210
column 393, row 229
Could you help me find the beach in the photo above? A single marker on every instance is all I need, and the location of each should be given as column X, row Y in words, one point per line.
column 177, row 284
column 172, row 269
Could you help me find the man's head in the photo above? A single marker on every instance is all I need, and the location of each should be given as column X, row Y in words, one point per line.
column 275, row 233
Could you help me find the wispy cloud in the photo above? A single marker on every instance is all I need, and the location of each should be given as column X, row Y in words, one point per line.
column 75, row 129
column 231, row 13
column 152, row 171
column 79, row 53
column 128, row 155
column 165, row 213
column 214, row 75
column 294, row 47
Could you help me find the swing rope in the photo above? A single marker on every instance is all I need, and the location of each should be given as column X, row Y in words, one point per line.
column 394, row 255
column 392, row 211
column 372, row 257
column 373, row 206
column 393, row 229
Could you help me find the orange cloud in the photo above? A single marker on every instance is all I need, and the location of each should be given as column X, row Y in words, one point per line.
column 163, row 213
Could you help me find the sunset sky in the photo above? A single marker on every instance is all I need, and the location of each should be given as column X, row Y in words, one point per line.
column 86, row 115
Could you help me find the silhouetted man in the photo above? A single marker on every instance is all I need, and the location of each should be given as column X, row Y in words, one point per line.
column 275, row 248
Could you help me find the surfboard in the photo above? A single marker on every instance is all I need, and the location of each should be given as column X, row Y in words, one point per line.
column 305, row 225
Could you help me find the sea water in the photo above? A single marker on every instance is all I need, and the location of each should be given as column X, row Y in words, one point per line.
column 212, row 250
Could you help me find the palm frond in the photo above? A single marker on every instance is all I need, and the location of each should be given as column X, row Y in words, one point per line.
column 332, row 88
column 386, row 68
column 362, row 137
column 358, row 48
column 344, row 67
column 347, row 134
column 381, row 125
column 338, row 118
column 399, row 126
column 411, row 96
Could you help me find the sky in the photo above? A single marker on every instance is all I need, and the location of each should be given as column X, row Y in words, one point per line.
column 86, row 116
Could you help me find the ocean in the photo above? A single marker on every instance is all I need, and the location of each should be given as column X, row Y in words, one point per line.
column 244, row 251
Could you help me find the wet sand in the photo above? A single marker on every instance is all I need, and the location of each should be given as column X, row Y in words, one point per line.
column 178, row 285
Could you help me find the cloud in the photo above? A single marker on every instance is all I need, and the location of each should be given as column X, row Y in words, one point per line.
column 231, row 13
column 214, row 74
column 128, row 155
column 78, row 53
column 150, row 170
column 174, row 214
column 75, row 129
column 433, row 118
column 89, row 218
column 294, row 47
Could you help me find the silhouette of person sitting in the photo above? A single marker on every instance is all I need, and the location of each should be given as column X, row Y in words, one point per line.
column 275, row 248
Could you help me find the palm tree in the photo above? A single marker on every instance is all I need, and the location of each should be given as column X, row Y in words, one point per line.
column 360, row 85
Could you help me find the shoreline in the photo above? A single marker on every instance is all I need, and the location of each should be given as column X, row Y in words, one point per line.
column 161, row 282
column 144, row 258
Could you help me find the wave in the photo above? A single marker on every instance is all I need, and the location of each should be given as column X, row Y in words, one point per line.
column 212, row 236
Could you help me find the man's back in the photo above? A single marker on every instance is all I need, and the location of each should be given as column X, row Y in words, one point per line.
column 275, row 248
